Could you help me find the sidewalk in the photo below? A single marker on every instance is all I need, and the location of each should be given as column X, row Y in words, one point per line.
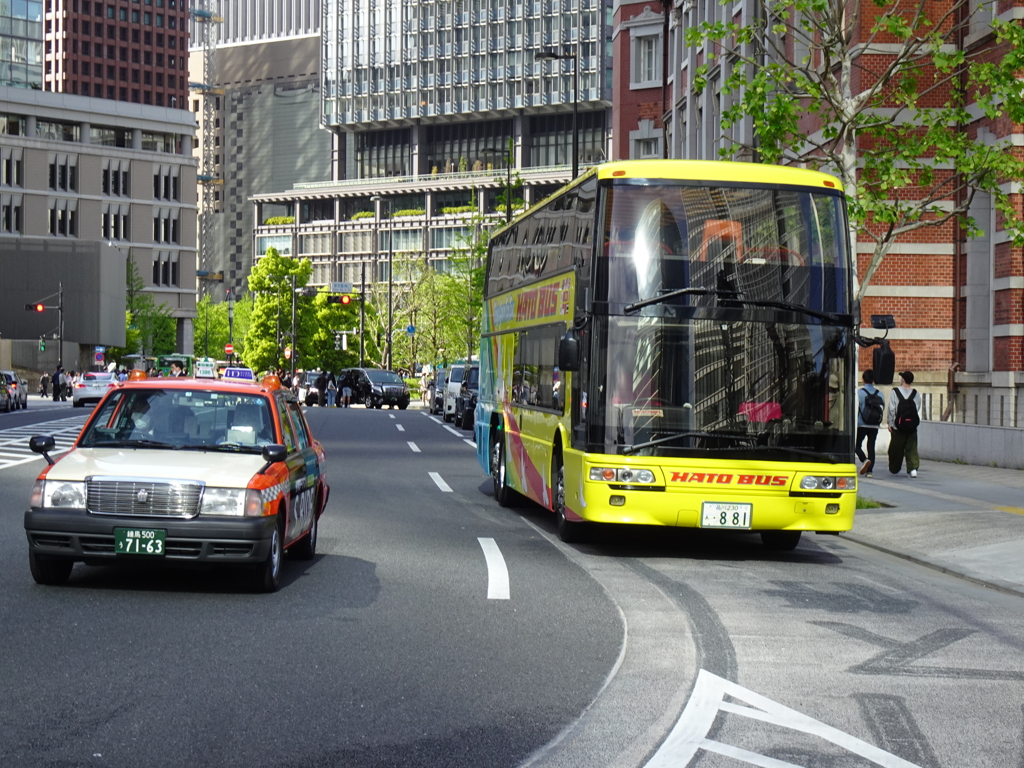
column 958, row 518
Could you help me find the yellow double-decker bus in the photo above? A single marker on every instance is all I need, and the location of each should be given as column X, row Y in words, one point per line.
column 671, row 343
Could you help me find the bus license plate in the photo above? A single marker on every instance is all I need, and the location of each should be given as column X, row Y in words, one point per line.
column 718, row 515
column 139, row 541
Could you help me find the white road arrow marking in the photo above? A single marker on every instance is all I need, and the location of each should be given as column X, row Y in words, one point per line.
column 690, row 732
column 497, row 573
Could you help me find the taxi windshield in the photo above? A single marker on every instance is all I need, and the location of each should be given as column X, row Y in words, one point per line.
column 182, row 419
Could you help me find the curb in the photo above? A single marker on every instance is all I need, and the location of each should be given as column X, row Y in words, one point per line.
column 1007, row 588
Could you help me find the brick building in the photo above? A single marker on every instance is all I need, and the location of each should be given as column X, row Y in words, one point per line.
column 127, row 50
column 958, row 301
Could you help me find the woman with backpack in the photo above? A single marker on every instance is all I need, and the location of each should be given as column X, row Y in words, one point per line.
column 870, row 409
column 903, row 422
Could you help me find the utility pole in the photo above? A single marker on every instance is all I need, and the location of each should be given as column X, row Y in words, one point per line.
column 295, row 352
column 362, row 314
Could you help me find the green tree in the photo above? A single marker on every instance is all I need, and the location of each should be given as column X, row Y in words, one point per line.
column 212, row 331
column 150, row 329
column 271, row 282
column 807, row 74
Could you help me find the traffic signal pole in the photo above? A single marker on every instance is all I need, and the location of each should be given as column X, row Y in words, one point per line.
column 39, row 306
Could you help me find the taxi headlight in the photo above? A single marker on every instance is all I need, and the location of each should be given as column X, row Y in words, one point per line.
column 630, row 475
column 60, row 493
column 231, row 502
column 818, row 483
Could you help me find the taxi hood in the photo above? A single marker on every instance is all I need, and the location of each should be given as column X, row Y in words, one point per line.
column 216, row 469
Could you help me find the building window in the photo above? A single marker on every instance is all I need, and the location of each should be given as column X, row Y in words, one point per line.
column 10, row 167
column 10, row 214
column 646, row 60
column 64, row 172
column 115, row 178
column 115, row 221
column 63, row 218
column 166, row 183
column 165, row 226
column 165, row 269
column 56, row 131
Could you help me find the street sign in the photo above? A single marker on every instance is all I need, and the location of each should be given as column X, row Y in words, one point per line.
column 341, row 287
column 101, row 349
column 229, row 349
column 99, row 357
column 411, row 330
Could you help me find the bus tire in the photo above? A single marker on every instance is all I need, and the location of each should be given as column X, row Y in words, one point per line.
column 780, row 541
column 499, row 469
column 569, row 532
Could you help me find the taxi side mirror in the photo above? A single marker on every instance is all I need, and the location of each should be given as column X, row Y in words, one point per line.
column 42, row 444
column 272, row 454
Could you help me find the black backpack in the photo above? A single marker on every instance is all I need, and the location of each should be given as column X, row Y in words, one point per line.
column 873, row 408
column 907, row 418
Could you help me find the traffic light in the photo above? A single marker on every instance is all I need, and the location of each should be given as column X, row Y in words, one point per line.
column 344, row 299
column 35, row 307
column 337, row 342
column 42, row 344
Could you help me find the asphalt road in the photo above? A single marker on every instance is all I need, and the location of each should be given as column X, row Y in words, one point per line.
column 437, row 629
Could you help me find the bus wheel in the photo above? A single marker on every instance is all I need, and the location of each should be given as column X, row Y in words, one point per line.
column 780, row 541
column 569, row 532
column 502, row 493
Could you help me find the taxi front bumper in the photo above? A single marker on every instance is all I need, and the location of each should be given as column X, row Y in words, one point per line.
column 77, row 535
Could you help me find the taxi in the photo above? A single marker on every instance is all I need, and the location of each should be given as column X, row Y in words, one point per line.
column 184, row 471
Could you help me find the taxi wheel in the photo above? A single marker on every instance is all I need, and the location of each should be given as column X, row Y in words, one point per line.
column 780, row 541
column 52, row 571
column 267, row 575
column 305, row 548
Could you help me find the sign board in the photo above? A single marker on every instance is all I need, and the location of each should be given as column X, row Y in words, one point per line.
column 100, row 349
column 99, row 357
column 411, row 330
column 341, row 287
column 206, row 369
column 239, row 374
column 229, row 349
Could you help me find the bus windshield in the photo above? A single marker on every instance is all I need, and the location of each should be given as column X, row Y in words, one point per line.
column 734, row 389
column 730, row 246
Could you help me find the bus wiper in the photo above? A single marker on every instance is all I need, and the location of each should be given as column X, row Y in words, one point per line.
column 796, row 451
column 831, row 317
column 669, row 438
column 638, row 305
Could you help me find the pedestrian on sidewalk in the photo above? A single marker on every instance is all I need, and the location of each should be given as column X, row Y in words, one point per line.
column 903, row 422
column 870, row 411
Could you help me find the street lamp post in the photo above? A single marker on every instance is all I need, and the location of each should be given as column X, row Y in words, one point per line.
column 231, row 323
column 570, row 52
column 391, row 242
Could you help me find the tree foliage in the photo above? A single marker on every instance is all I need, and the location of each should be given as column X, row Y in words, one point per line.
column 894, row 129
column 149, row 328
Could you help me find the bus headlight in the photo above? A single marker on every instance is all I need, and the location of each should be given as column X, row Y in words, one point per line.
column 622, row 475
column 818, row 483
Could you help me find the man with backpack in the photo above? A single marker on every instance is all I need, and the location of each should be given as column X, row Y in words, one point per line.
column 870, row 410
column 903, row 422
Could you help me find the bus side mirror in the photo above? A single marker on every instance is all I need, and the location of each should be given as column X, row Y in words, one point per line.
column 569, row 352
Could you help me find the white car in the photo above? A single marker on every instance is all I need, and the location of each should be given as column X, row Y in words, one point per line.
column 92, row 387
column 452, row 385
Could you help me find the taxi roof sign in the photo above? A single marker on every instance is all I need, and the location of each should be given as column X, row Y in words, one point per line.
column 206, row 368
column 239, row 374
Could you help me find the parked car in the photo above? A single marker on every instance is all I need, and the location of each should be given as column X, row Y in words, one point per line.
column 465, row 403
column 17, row 389
column 6, row 399
column 435, row 401
column 91, row 388
column 451, row 390
column 186, row 472
column 375, row 388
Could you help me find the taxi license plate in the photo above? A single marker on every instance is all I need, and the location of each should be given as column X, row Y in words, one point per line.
column 717, row 515
column 139, row 541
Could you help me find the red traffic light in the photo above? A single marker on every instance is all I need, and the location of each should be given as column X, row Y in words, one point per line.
column 35, row 307
column 344, row 299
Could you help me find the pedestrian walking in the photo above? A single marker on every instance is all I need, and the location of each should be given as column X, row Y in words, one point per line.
column 346, row 394
column 44, row 384
column 332, row 390
column 321, row 389
column 58, row 383
column 903, row 422
column 870, row 411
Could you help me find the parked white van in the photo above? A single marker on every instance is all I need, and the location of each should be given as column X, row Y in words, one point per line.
column 452, row 385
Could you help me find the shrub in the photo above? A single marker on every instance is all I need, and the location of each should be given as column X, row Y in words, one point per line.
column 276, row 220
column 409, row 212
column 459, row 209
column 362, row 215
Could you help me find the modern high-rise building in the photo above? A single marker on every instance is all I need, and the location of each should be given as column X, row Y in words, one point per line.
column 128, row 51
column 425, row 101
column 21, row 44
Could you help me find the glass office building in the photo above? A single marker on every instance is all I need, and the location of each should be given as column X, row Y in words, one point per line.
column 21, row 43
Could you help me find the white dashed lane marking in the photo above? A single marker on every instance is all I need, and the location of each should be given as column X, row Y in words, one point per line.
column 440, row 483
column 415, row 448
column 497, row 573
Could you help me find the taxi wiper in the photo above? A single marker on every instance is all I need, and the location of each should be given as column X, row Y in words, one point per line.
column 638, row 305
column 132, row 443
column 233, row 447
column 678, row 435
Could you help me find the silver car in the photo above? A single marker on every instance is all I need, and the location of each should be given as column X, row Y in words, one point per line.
column 92, row 387
column 17, row 389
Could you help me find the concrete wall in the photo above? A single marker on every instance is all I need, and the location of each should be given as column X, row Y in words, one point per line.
column 93, row 276
column 971, row 444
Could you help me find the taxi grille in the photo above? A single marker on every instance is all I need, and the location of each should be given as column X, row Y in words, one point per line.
column 143, row 497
